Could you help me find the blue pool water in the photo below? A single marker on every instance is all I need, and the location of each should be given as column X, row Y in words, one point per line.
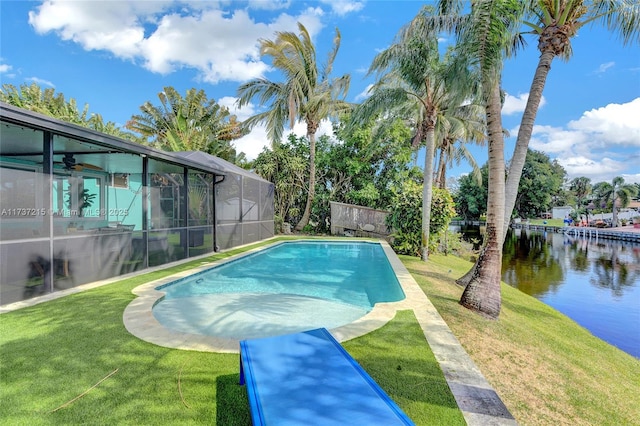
column 288, row 287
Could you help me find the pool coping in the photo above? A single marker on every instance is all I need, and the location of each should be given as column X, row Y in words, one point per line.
column 479, row 402
column 140, row 321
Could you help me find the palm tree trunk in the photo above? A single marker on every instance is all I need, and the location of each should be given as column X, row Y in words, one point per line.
column 483, row 293
column 427, row 186
column 312, row 183
column 614, row 209
column 520, row 150
column 524, row 134
column 440, row 171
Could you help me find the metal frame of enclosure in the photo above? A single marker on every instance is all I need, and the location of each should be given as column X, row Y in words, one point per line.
column 78, row 206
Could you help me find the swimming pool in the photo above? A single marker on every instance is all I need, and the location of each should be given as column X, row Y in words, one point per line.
column 289, row 287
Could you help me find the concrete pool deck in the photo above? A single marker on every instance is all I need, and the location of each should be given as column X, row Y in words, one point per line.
column 478, row 401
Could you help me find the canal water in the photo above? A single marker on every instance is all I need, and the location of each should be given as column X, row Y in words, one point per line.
column 596, row 282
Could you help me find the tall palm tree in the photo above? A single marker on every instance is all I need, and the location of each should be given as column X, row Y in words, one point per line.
column 555, row 23
column 485, row 35
column 307, row 94
column 190, row 123
column 415, row 82
column 617, row 194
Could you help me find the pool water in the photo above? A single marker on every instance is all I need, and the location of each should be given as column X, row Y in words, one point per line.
column 293, row 286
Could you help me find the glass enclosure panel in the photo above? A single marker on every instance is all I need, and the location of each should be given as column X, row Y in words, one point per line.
column 266, row 201
column 131, row 258
column 78, row 254
column 166, row 246
column 124, row 201
column 23, row 213
column 200, row 199
column 228, row 197
column 250, row 200
column 228, row 235
column 166, row 196
column 250, row 232
column 30, row 273
column 266, row 230
column 200, row 240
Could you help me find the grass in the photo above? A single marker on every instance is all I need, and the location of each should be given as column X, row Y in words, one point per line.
column 71, row 361
column 547, row 222
column 546, row 368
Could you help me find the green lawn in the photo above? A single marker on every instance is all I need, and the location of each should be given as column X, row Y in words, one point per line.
column 546, row 368
column 71, row 361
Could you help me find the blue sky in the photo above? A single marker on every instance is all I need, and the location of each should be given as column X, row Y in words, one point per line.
column 115, row 55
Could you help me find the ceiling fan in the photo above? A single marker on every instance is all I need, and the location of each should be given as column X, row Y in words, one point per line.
column 71, row 164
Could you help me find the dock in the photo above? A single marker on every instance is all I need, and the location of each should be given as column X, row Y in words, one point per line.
column 622, row 233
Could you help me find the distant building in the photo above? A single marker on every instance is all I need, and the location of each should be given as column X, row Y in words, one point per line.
column 561, row 212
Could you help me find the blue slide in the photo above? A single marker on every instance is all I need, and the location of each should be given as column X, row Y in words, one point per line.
column 309, row 379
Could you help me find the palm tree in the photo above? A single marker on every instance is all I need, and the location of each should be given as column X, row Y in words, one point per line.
column 307, row 94
column 453, row 142
column 192, row 123
column 555, row 23
column 581, row 188
column 416, row 83
column 485, row 35
column 617, row 194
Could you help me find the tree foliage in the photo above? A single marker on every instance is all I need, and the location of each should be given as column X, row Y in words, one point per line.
column 614, row 195
column 190, row 123
column 541, row 180
column 308, row 93
column 405, row 218
column 48, row 102
column 286, row 166
column 471, row 196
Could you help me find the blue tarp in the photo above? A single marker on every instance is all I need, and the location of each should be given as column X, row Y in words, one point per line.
column 309, row 379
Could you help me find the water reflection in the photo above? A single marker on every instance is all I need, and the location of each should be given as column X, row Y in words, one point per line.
column 617, row 272
column 595, row 282
column 528, row 256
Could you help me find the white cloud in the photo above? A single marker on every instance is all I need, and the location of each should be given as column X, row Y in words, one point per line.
column 4, row 68
column 517, row 104
column 40, row 81
column 165, row 36
column 612, row 124
column 343, row 7
column 604, row 67
column 602, row 144
column 253, row 143
column 269, row 4
column 631, row 178
column 364, row 94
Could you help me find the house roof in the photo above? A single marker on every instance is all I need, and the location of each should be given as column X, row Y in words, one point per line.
column 106, row 152
column 217, row 163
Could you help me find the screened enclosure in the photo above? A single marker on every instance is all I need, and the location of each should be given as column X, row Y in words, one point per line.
column 78, row 206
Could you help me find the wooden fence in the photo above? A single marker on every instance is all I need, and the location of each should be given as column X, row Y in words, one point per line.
column 358, row 221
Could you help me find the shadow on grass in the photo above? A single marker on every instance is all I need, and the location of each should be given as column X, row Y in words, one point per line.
column 232, row 404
